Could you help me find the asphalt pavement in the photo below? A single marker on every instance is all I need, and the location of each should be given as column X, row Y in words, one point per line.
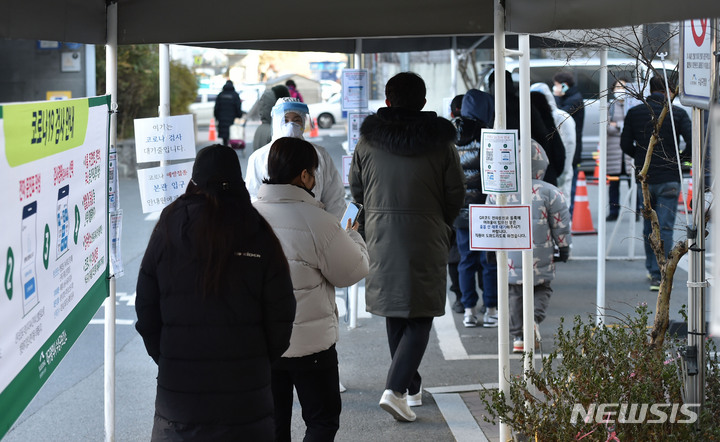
column 459, row 361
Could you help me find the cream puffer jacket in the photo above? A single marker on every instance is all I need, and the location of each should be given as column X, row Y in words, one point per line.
column 321, row 254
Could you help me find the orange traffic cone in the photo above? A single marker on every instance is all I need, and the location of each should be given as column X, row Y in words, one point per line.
column 681, row 201
column 582, row 219
column 689, row 195
column 314, row 132
column 212, row 132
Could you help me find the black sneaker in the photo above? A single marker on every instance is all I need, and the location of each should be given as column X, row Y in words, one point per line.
column 654, row 284
column 612, row 217
column 458, row 307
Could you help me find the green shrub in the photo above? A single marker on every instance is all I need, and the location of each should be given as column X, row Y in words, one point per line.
column 613, row 365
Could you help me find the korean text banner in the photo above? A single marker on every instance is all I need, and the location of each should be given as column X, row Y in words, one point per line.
column 53, row 237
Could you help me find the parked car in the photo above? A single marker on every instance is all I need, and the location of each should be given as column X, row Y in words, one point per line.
column 330, row 112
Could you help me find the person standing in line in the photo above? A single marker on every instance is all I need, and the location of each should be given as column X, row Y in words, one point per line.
column 569, row 99
column 294, row 93
column 566, row 128
column 263, row 134
column 550, row 228
column 215, row 308
column 454, row 254
column 228, row 107
column 406, row 171
column 322, row 255
column 289, row 119
column 618, row 163
column 478, row 112
column 662, row 177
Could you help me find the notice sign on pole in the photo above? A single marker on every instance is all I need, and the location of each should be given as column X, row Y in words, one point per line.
column 53, row 237
column 160, row 186
column 500, row 227
column 498, row 161
column 346, row 163
column 162, row 139
column 355, row 120
column 355, row 89
column 697, row 64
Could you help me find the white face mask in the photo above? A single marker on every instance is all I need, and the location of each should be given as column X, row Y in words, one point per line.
column 290, row 129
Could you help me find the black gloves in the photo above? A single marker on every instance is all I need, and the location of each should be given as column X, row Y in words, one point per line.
column 564, row 254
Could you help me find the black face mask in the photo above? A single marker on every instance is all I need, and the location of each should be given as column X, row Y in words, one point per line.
column 306, row 190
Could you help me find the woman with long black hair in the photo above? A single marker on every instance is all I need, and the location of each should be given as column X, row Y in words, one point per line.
column 215, row 308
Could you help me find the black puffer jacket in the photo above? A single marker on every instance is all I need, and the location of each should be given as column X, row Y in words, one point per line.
column 214, row 352
column 572, row 103
column 406, row 172
column 228, row 106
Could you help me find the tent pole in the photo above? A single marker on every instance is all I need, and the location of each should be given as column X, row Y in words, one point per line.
column 602, row 188
column 526, row 198
column 164, row 74
column 696, row 269
column 502, row 268
column 353, row 290
column 109, row 358
column 453, row 68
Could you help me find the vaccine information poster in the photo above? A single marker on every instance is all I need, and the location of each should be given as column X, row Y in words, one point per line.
column 498, row 161
column 53, row 237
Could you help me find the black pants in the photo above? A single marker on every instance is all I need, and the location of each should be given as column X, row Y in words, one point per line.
column 316, row 380
column 408, row 339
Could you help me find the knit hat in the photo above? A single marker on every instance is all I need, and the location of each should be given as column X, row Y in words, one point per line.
column 216, row 169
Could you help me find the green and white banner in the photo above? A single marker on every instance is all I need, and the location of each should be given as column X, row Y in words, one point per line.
column 53, row 236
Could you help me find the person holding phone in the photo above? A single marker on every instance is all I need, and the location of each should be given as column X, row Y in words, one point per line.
column 322, row 255
column 569, row 99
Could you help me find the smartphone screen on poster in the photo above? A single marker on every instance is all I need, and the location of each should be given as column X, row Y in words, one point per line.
column 28, row 234
column 352, row 212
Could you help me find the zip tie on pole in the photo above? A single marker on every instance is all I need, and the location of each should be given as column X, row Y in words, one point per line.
column 662, row 56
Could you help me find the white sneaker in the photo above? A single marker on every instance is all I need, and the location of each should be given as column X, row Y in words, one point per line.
column 490, row 318
column 415, row 400
column 470, row 321
column 518, row 345
column 397, row 406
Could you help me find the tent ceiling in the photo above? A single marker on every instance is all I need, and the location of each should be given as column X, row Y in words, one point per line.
column 192, row 21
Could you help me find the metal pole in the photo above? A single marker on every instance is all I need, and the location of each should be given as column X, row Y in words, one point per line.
column 353, row 290
column 696, row 272
column 526, row 198
column 453, row 68
column 715, row 207
column 164, row 74
column 502, row 268
column 90, row 71
column 109, row 358
column 602, row 189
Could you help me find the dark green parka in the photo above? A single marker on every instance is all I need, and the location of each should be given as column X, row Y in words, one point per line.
column 406, row 172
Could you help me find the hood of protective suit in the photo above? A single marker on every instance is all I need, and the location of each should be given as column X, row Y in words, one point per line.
column 545, row 90
column 281, row 108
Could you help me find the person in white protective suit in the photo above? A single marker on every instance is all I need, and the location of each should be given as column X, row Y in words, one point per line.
column 566, row 128
column 290, row 117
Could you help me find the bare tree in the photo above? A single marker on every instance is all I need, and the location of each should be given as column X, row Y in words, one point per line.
column 632, row 42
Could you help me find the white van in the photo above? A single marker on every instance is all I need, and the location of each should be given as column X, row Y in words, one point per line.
column 587, row 79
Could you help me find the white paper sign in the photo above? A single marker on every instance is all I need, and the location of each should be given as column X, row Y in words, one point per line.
column 160, row 186
column 355, row 120
column 697, row 64
column 498, row 161
column 355, row 89
column 346, row 162
column 161, row 139
column 500, row 227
